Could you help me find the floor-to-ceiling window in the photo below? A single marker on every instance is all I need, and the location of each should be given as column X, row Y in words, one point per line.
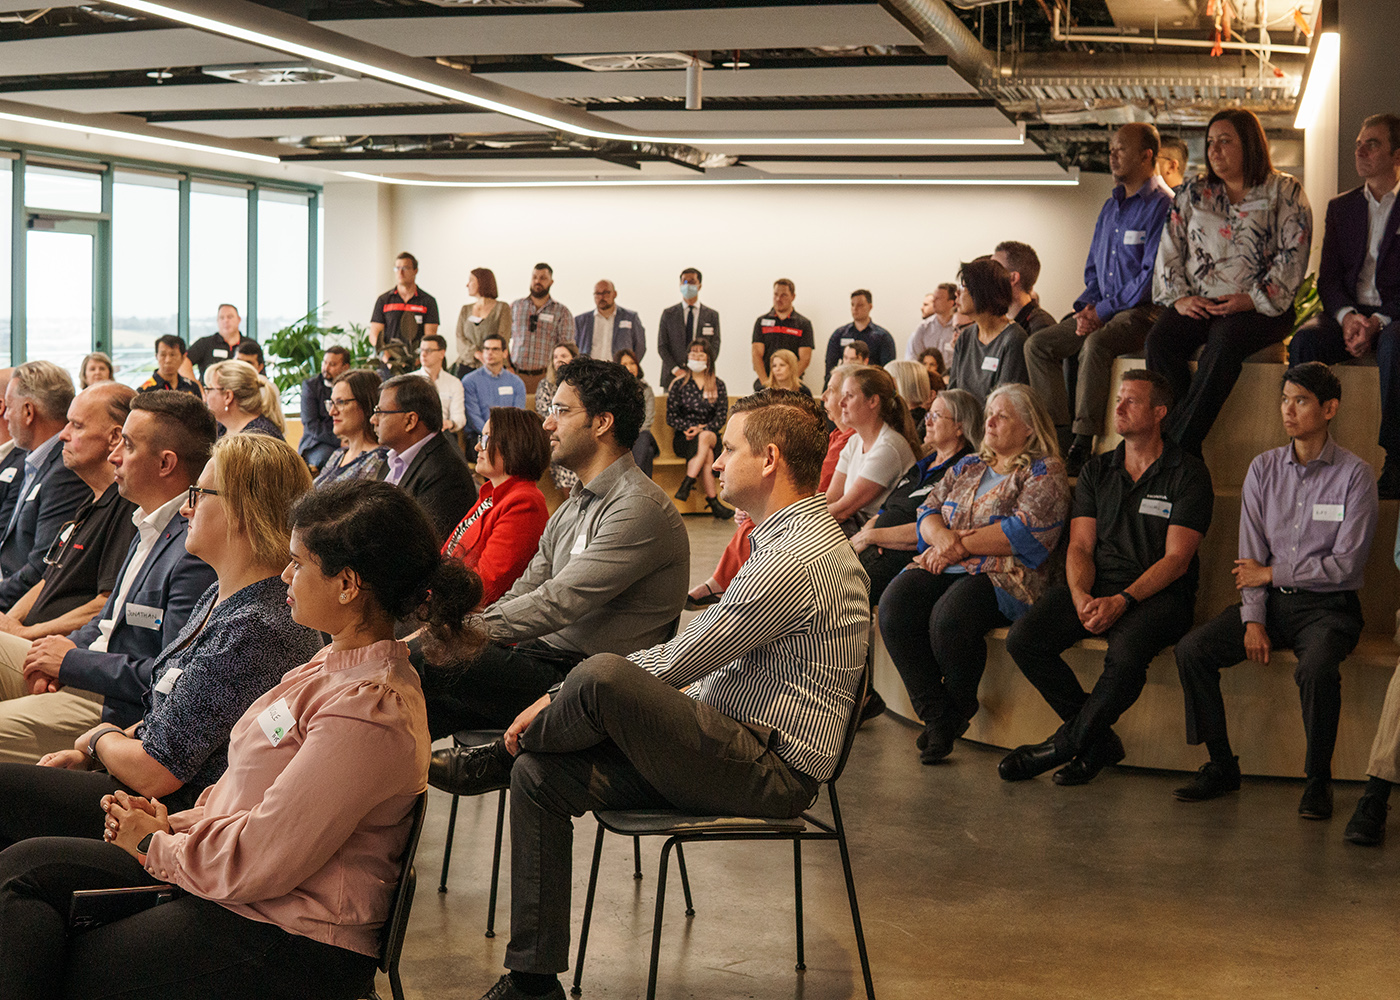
column 145, row 269
column 218, row 253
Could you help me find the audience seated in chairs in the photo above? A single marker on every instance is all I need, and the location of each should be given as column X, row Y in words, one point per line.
column 422, row 461
column 318, row 437
column 100, row 672
column 696, row 405
column 564, row 479
column 857, row 352
column 990, row 350
column 883, row 446
column 1138, row 516
column 987, row 534
column 489, row 386
column 501, row 534
column 237, row 644
column 242, row 401
column 644, row 452
column 290, row 861
column 1234, row 251
column 609, row 577
column 354, row 395
column 774, row 691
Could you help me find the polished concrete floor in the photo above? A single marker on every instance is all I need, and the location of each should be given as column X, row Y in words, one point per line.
column 969, row 888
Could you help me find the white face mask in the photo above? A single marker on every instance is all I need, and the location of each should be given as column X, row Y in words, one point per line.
column 689, row 291
column 695, row 366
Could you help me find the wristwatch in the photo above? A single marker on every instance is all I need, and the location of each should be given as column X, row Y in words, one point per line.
column 1132, row 601
column 144, row 848
column 97, row 735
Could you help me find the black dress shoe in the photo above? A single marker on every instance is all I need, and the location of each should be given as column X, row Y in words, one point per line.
column 687, row 484
column 505, row 989
column 874, row 707
column 1317, row 799
column 1084, row 768
column 1367, row 826
column 937, row 739
column 1388, row 486
column 719, row 510
column 1212, row 780
column 471, row 770
column 1036, row 758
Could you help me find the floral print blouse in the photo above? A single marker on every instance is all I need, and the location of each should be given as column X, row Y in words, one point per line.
column 1258, row 246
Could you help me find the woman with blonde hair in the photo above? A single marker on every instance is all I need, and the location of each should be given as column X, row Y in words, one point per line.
column 242, row 401
column 883, row 446
column 915, row 388
column 782, row 373
column 986, row 537
column 564, row 479
column 96, row 367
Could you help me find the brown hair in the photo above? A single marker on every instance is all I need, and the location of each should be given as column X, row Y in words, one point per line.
column 791, row 360
column 183, row 424
column 988, row 283
column 1253, row 142
column 795, row 424
column 364, row 386
column 787, row 282
column 551, row 374
column 893, row 410
column 97, row 356
column 485, row 282
column 1021, row 258
column 518, row 441
column 259, row 478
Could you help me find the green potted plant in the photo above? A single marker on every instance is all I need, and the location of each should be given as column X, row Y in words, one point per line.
column 294, row 352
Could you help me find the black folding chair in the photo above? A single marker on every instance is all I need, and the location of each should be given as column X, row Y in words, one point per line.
column 396, row 924
column 472, row 738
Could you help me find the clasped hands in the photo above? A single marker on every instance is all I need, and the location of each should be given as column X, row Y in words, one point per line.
column 1097, row 614
column 1359, row 333
column 42, row 663
column 1200, row 307
column 945, row 550
column 130, row 818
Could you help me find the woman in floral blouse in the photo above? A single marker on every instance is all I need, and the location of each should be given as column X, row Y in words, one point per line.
column 696, row 408
column 1233, row 253
column 986, row 536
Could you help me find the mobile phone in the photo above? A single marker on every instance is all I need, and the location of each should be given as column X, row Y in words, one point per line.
column 92, row 908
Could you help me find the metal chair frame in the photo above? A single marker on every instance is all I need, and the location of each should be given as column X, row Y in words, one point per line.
column 396, row 923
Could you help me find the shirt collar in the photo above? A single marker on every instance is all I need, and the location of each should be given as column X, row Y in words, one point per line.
column 1327, row 456
column 604, row 481
column 6, row 448
column 1171, row 455
column 776, row 522
column 40, row 455
column 408, row 454
column 157, row 519
column 1371, row 199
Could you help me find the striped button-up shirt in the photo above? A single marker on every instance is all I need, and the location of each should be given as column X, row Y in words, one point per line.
column 553, row 325
column 784, row 647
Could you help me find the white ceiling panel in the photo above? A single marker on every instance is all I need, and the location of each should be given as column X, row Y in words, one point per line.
column 823, row 80
column 127, row 50
column 506, row 169
column 935, row 122
column 174, row 97
column 466, row 123
column 643, row 31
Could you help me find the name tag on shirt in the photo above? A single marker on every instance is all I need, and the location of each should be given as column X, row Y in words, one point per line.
column 580, row 543
column 33, row 493
column 220, row 352
column 1328, row 511
column 1134, row 237
column 1155, row 508
column 767, row 322
column 144, row 616
column 276, row 721
column 991, row 363
column 707, row 331
column 624, row 324
column 847, row 341
column 166, row 684
column 922, row 491
column 8, row 476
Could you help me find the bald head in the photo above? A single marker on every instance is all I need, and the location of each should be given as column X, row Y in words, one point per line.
column 605, row 296
column 1132, row 154
column 94, row 429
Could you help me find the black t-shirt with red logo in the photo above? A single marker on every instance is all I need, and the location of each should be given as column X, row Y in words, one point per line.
column 390, row 308
column 776, row 334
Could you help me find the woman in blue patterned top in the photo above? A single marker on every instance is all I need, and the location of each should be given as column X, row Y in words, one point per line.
column 353, row 399
column 238, row 643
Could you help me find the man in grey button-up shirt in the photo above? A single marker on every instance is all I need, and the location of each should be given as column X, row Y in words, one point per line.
column 610, row 575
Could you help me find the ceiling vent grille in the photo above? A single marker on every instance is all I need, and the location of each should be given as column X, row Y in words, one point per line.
column 278, row 74
column 622, row 61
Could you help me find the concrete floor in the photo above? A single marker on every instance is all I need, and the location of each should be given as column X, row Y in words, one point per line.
column 969, row 888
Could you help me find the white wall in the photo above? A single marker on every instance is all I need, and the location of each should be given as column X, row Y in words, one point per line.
column 359, row 253
column 898, row 242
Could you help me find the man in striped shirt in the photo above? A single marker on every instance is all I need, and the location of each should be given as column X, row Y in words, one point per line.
column 771, row 673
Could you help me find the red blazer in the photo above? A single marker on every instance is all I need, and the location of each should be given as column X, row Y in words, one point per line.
column 500, row 535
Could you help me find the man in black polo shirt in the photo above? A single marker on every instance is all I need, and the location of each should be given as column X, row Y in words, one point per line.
column 402, row 317
column 1138, row 516
column 780, row 328
column 81, row 566
column 218, row 346
column 170, row 356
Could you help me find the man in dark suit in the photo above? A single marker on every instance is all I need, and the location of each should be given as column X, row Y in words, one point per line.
column 683, row 323
column 11, row 459
column 317, row 438
column 1359, row 282
column 102, row 670
column 36, row 408
column 609, row 328
column 422, row 460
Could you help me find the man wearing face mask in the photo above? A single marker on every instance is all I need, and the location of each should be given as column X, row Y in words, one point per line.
column 682, row 324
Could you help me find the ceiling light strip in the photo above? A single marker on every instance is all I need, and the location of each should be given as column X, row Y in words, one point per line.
column 418, row 83
column 134, row 136
column 1072, row 180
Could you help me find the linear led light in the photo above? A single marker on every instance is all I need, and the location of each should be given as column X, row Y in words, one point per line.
column 1323, row 72
column 268, row 41
column 134, row 136
column 1070, row 181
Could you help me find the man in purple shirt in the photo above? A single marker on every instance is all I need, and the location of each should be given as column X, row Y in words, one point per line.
column 1115, row 311
column 1308, row 511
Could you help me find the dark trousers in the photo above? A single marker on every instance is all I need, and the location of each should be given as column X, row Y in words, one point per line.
column 1052, row 625
column 935, row 628
column 1320, row 339
column 644, row 452
column 1228, row 341
column 52, row 802
column 882, row 566
column 189, row 947
column 615, row 737
column 489, row 691
column 1321, row 629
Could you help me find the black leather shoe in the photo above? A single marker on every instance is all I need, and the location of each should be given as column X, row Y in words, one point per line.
column 1367, row 826
column 718, row 509
column 1388, row 486
column 1084, row 768
column 1212, row 780
column 471, row 770
column 1036, row 758
column 937, row 739
column 505, row 989
column 1317, row 799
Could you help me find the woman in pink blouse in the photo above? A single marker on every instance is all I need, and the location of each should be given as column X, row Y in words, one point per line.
column 288, row 863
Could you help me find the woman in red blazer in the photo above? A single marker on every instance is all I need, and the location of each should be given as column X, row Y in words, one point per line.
column 500, row 535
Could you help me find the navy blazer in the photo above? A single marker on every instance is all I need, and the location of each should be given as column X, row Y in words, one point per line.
column 632, row 337
column 11, row 477
column 52, row 500
column 172, row 580
column 674, row 343
column 315, row 418
column 440, row 480
column 1344, row 245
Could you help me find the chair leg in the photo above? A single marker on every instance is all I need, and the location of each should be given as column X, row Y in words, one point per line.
column 656, row 924
column 637, row 858
column 685, row 881
column 496, row 864
column 797, row 895
column 447, row 847
column 577, row 989
column 851, row 891
column 395, row 984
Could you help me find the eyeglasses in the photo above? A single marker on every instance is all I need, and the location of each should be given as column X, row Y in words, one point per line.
column 483, row 441
column 379, row 409
column 60, row 542
column 557, row 410
column 195, row 492
column 212, row 388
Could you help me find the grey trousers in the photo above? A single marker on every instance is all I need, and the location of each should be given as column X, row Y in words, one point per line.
column 1125, row 332
column 615, row 737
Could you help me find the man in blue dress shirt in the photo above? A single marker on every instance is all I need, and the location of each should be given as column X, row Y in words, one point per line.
column 489, row 386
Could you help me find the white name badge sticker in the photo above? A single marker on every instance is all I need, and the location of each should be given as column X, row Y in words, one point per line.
column 276, row 721
column 707, row 331
column 144, row 616
column 8, row 475
column 1134, row 237
column 1328, row 511
column 768, row 322
column 580, row 543
column 166, row 684
column 624, row 324
column 922, row 492
column 847, row 341
column 220, row 352
column 1155, row 508
column 991, row 363
column 505, row 390
column 33, row 493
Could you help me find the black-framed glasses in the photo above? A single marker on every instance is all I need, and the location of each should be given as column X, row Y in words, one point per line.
column 195, row 493
column 59, row 543
column 338, row 404
column 380, row 409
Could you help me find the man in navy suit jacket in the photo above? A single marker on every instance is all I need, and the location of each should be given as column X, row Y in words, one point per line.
column 1358, row 280
column 101, row 672
column 422, row 461
column 683, row 323
column 627, row 331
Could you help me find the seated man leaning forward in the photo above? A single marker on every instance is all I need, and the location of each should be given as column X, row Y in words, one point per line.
column 770, row 675
column 610, row 575
column 1138, row 515
column 1308, row 513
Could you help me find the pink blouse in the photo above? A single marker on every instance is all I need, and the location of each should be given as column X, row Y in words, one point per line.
column 308, row 833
